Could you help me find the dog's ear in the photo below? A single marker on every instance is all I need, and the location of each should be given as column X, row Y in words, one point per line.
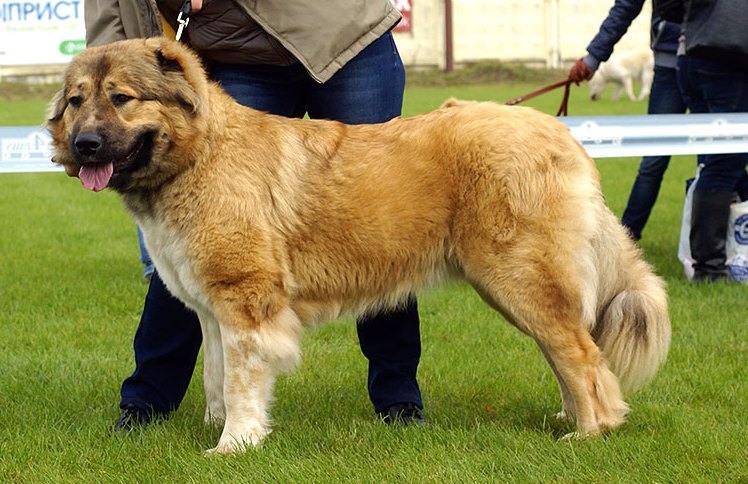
column 183, row 71
column 55, row 127
column 166, row 64
column 57, row 107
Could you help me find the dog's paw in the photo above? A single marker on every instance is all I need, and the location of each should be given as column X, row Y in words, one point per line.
column 231, row 447
column 228, row 444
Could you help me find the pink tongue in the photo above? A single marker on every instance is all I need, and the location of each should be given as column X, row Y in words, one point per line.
column 96, row 177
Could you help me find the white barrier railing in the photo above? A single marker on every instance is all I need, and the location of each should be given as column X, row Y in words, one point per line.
column 27, row 148
column 662, row 134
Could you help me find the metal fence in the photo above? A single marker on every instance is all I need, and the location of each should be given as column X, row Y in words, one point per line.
column 28, row 148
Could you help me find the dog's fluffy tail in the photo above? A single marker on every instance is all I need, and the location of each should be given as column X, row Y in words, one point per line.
column 633, row 326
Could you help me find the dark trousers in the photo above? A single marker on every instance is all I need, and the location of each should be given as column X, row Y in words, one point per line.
column 665, row 98
column 369, row 89
column 711, row 86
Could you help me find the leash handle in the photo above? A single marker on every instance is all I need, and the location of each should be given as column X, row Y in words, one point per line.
column 183, row 19
column 562, row 110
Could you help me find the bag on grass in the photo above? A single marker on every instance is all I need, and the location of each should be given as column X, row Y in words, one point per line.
column 736, row 239
column 684, row 244
column 736, row 247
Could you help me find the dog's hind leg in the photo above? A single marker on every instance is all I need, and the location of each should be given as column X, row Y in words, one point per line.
column 590, row 392
column 546, row 303
column 567, row 401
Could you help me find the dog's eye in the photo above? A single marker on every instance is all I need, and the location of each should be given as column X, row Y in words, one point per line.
column 75, row 101
column 120, row 99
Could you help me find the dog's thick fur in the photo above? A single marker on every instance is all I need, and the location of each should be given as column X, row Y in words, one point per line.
column 264, row 225
column 622, row 69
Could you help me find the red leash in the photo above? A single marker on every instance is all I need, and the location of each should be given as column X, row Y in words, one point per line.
column 562, row 110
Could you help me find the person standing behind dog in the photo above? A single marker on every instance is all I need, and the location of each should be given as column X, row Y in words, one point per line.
column 289, row 58
column 713, row 76
column 664, row 98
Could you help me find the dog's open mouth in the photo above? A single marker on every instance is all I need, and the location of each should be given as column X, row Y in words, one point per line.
column 97, row 176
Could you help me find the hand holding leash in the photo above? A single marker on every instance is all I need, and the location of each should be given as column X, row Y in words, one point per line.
column 580, row 72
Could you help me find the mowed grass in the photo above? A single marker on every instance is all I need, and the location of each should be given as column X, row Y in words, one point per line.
column 71, row 292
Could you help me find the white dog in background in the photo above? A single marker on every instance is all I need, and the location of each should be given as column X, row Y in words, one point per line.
column 622, row 69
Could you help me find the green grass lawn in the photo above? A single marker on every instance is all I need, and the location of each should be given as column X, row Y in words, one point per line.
column 71, row 292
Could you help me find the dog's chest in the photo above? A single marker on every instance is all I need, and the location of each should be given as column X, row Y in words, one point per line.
column 169, row 252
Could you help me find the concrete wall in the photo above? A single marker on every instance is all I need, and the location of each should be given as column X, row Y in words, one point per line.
column 551, row 32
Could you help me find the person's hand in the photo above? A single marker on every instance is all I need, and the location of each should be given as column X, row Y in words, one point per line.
column 580, row 72
column 197, row 5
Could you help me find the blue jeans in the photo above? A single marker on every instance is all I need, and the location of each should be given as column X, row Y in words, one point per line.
column 665, row 98
column 368, row 89
column 145, row 257
column 711, row 86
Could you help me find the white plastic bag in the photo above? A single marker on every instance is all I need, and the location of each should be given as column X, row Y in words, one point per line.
column 684, row 244
column 736, row 247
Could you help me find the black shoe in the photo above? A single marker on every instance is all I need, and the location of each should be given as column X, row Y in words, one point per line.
column 404, row 414
column 132, row 416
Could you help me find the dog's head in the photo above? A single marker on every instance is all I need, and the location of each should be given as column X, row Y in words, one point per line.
column 128, row 113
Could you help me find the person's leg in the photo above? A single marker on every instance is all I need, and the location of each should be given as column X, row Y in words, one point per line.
column 392, row 343
column 644, row 194
column 710, row 86
column 274, row 89
column 166, row 345
column 369, row 89
column 717, row 187
column 665, row 98
column 743, row 187
column 725, row 90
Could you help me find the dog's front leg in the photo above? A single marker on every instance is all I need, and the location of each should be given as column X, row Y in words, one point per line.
column 254, row 352
column 215, row 409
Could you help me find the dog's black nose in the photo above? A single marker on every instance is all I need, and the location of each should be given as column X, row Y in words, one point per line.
column 88, row 143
